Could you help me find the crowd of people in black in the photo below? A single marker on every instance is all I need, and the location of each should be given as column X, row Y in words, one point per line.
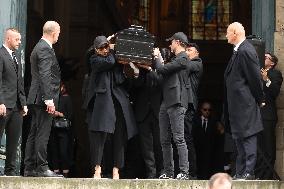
column 177, row 136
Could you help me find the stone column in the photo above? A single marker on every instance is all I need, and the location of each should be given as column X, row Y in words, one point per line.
column 13, row 13
column 279, row 52
column 263, row 16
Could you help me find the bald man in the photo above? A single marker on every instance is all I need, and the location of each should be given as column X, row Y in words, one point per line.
column 220, row 181
column 12, row 98
column 242, row 100
column 43, row 98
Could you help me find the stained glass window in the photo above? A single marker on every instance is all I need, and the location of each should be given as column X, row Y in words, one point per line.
column 209, row 19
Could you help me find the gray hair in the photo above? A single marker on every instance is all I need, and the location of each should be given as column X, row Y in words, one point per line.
column 49, row 27
column 219, row 179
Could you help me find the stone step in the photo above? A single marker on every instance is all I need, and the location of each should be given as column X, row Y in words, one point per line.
column 88, row 183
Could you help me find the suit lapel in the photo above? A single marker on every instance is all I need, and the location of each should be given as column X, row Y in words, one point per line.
column 11, row 61
column 232, row 60
column 230, row 64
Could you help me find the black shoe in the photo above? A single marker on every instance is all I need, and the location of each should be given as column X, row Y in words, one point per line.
column 182, row 176
column 30, row 173
column 151, row 176
column 11, row 174
column 166, row 176
column 190, row 177
column 247, row 176
column 48, row 173
column 236, row 177
column 65, row 175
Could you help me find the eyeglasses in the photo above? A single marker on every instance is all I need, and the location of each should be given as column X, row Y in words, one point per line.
column 269, row 58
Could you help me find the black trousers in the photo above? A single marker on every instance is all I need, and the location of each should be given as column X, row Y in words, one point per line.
column 266, row 151
column 119, row 138
column 12, row 123
column 36, row 146
column 246, row 154
column 189, row 141
column 149, row 135
column 60, row 149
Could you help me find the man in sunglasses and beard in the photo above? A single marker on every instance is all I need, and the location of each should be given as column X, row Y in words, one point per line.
column 111, row 109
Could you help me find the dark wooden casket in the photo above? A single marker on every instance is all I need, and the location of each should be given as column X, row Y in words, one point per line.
column 134, row 44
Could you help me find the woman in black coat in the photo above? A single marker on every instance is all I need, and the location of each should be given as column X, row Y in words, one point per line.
column 61, row 140
column 112, row 112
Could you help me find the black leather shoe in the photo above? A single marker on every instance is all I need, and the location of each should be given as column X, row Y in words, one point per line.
column 11, row 174
column 236, row 177
column 30, row 173
column 48, row 173
column 151, row 176
column 247, row 176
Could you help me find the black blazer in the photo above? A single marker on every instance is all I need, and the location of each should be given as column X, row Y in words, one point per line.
column 176, row 84
column 146, row 95
column 45, row 73
column 243, row 92
column 11, row 82
column 205, row 146
column 194, row 70
column 269, row 111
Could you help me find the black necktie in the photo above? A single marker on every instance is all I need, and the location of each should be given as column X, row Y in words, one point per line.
column 15, row 61
column 204, row 124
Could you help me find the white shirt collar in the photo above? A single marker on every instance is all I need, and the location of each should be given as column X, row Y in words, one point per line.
column 204, row 118
column 48, row 42
column 237, row 45
column 9, row 50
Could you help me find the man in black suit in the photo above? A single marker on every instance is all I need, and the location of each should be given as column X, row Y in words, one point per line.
column 272, row 81
column 175, row 89
column 12, row 98
column 204, row 131
column 43, row 98
column 195, row 70
column 147, row 95
column 243, row 98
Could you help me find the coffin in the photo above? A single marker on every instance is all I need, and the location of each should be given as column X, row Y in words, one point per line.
column 134, row 44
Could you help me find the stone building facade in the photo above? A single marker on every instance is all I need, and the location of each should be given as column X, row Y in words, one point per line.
column 279, row 51
column 78, row 22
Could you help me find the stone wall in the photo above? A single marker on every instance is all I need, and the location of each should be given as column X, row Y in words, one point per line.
column 62, row 183
column 279, row 52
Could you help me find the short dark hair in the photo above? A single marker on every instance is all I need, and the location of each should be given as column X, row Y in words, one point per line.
column 193, row 45
column 273, row 59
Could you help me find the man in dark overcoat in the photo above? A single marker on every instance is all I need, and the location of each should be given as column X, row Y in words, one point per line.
column 243, row 98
